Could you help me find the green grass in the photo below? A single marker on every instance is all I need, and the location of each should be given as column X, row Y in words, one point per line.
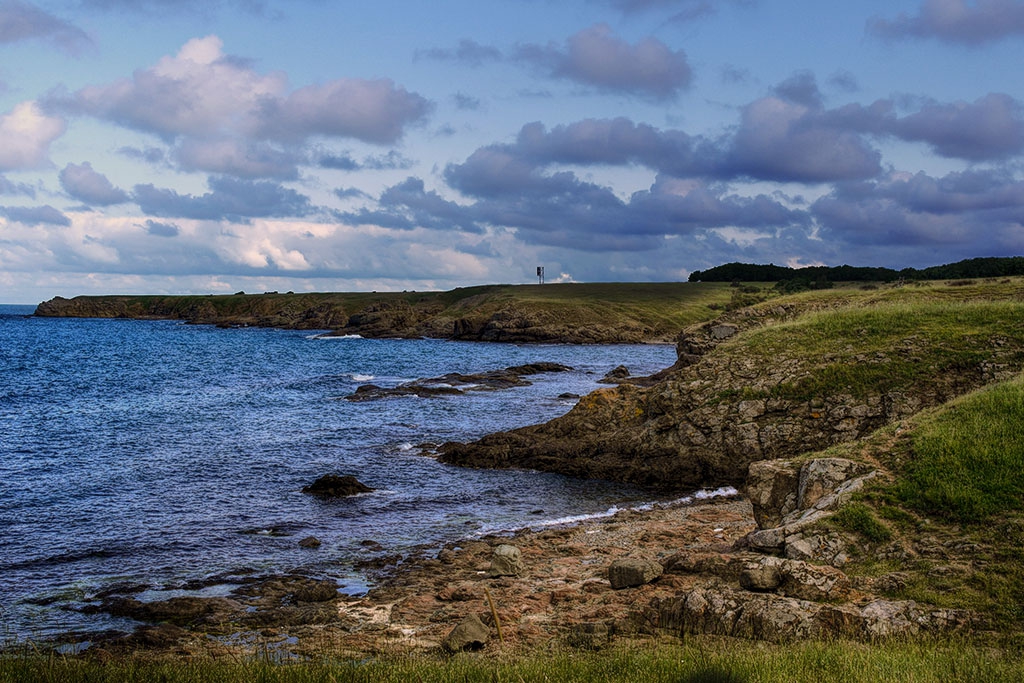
column 696, row 660
column 968, row 460
column 859, row 518
column 861, row 350
column 956, row 486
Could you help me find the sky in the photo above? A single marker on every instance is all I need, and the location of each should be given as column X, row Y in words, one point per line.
column 215, row 146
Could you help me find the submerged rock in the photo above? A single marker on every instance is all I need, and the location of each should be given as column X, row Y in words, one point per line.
column 335, row 486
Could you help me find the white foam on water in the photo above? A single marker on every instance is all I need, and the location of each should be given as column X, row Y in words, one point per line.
column 335, row 336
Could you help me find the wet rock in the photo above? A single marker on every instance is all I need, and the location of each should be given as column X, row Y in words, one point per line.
column 630, row 572
column 310, row 542
column 335, row 486
column 470, row 634
column 181, row 611
column 615, row 375
column 454, row 384
column 155, row 636
column 507, row 560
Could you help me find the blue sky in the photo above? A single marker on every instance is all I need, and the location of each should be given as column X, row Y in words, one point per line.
column 194, row 146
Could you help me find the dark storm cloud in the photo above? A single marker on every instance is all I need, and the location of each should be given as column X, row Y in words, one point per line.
column 956, row 21
column 86, row 185
column 980, row 210
column 228, row 199
column 35, row 215
column 786, row 141
column 776, row 140
column 596, row 58
column 23, row 21
column 990, row 128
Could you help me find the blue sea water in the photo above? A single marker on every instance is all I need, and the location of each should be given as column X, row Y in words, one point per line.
column 157, row 453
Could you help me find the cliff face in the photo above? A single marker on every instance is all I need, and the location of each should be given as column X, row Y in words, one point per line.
column 768, row 382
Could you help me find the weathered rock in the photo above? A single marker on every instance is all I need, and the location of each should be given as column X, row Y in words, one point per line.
column 335, row 486
column 823, row 476
column 766, row 616
column 772, row 487
column 615, row 375
column 762, row 576
column 312, row 590
column 470, row 634
column 821, row 548
column 630, row 572
column 724, row 331
column 309, row 542
column 181, row 611
column 507, row 560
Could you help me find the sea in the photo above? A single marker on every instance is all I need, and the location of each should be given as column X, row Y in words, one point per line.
column 169, row 458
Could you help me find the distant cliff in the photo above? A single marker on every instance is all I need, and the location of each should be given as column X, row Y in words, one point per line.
column 561, row 313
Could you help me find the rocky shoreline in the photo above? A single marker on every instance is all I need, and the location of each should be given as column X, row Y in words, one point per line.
column 742, row 409
column 752, row 566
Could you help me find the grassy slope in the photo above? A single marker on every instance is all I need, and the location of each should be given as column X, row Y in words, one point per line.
column 954, row 499
column 946, row 524
column 661, row 308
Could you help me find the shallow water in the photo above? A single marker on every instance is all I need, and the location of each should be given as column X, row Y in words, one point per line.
column 158, row 453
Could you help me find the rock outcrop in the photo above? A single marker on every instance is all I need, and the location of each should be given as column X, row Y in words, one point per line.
column 454, row 384
column 720, row 408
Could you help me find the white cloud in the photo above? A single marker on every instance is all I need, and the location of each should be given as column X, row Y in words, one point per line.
column 25, row 137
column 202, row 95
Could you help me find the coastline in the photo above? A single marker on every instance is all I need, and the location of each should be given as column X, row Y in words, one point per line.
column 562, row 593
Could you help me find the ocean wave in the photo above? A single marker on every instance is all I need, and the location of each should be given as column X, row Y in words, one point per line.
column 335, row 336
column 570, row 520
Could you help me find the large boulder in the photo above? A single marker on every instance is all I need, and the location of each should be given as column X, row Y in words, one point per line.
column 470, row 634
column 507, row 560
column 629, row 572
